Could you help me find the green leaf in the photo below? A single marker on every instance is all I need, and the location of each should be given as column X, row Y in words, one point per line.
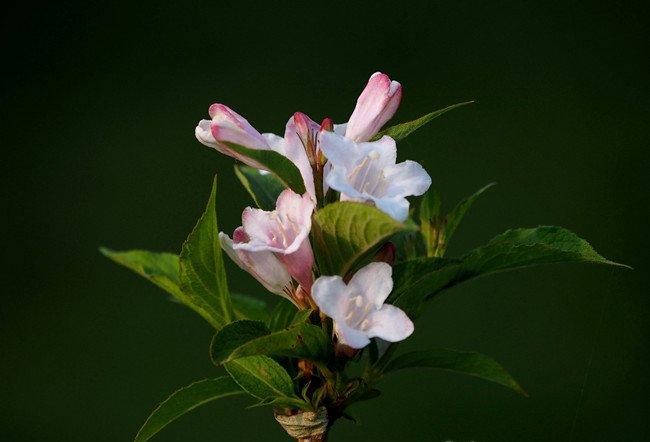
column 467, row 362
column 185, row 400
column 421, row 279
column 430, row 206
column 202, row 273
column 159, row 268
column 263, row 187
column 233, row 336
column 301, row 316
column 437, row 229
column 430, row 216
column 454, row 217
column 162, row 269
column 343, row 232
column 281, row 166
column 401, row 131
column 304, row 341
column 249, row 338
column 261, row 377
column 248, row 307
column 282, row 315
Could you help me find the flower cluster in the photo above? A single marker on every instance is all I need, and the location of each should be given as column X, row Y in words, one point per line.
column 332, row 233
column 347, row 162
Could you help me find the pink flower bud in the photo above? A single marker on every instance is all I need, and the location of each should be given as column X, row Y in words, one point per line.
column 376, row 105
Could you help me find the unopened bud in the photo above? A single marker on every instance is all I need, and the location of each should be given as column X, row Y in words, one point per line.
column 327, row 125
column 306, row 131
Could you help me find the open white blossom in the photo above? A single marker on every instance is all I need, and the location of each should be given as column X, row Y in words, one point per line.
column 283, row 232
column 368, row 172
column 358, row 308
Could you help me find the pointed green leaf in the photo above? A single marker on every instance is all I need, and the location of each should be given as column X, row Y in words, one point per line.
column 301, row 316
column 162, row 269
column 263, row 187
column 281, row 166
column 202, row 274
column 159, row 268
column 430, row 216
column 344, row 232
column 282, row 315
column 261, row 377
column 401, row 131
column 467, row 362
column 421, row 279
column 233, row 336
column 430, row 206
column 454, row 217
column 185, row 400
column 249, row 338
column 248, row 307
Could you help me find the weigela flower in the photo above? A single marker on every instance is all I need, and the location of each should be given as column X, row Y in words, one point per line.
column 368, row 172
column 283, row 234
column 376, row 105
column 263, row 266
column 358, row 308
column 227, row 126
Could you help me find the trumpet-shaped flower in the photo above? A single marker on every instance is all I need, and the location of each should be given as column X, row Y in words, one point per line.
column 227, row 126
column 358, row 308
column 263, row 265
column 368, row 172
column 376, row 105
column 283, row 232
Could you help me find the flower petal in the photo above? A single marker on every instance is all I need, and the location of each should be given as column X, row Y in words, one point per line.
column 295, row 132
column 384, row 150
column 340, row 151
column 390, row 324
column 397, row 208
column 340, row 129
column 203, row 133
column 275, row 142
column 407, row 178
column 229, row 126
column 263, row 266
column 374, row 281
column 282, row 230
column 337, row 179
column 330, row 294
column 350, row 336
column 376, row 105
column 299, row 264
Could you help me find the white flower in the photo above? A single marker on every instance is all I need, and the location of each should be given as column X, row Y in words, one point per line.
column 375, row 106
column 358, row 308
column 368, row 172
column 283, row 232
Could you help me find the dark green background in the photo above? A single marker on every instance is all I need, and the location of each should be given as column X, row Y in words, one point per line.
column 99, row 104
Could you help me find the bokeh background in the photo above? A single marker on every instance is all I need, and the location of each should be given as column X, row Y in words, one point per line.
column 98, row 107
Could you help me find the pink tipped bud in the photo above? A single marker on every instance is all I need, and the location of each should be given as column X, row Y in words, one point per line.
column 376, row 105
column 327, row 125
column 302, row 123
column 306, row 130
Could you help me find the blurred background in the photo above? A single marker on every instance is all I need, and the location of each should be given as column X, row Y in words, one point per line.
column 98, row 106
